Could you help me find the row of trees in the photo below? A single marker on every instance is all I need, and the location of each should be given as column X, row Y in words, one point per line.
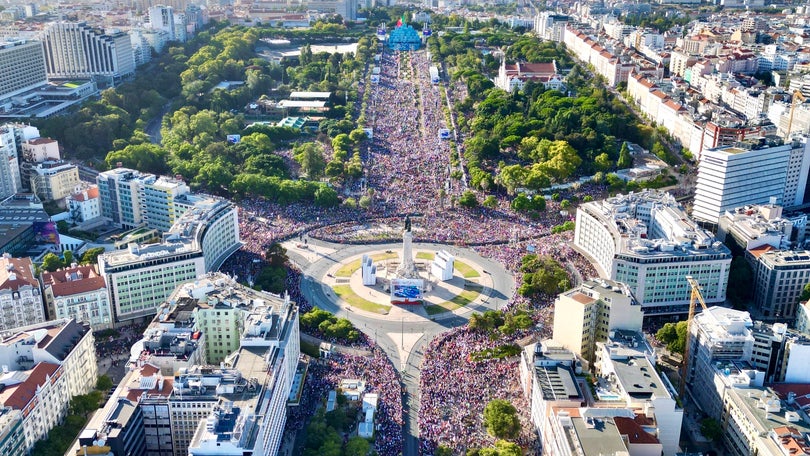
column 81, row 407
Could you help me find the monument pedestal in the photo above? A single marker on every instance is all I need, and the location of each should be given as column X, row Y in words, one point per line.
column 407, row 268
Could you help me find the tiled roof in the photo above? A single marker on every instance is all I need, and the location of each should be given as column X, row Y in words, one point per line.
column 634, row 432
column 91, row 193
column 66, row 282
column 19, row 395
column 22, row 268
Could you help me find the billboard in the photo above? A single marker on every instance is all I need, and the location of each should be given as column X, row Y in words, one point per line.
column 407, row 291
column 45, row 233
column 234, row 139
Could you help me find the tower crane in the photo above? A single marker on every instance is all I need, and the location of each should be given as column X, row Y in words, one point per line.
column 695, row 297
column 797, row 96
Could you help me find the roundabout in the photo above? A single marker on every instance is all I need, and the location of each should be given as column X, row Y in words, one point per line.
column 331, row 280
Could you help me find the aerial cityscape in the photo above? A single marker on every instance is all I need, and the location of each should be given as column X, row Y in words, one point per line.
column 354, row 228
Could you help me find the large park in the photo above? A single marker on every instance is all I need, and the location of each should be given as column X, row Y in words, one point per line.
column 324, row 195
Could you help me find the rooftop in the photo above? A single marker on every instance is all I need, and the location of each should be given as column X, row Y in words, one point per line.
column 17, row 396
column 16, row 273
column 598, row 436
column 651, row 224
column 73, row 280
column 765, row 410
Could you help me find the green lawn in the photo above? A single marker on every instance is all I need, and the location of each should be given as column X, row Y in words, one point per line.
column 465, row 269
column 348, row 269
column 425, row 256
column 346, row 293
column 469, row 294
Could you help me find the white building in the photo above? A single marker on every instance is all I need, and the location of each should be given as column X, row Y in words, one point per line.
column 750, row 173
column 78, row 292
column 628, row 372
column 130, row 198
column 647, row 241
column 162, row 18
column 10, row 182
column 38, row 150
column 20, row 298
column 85, row 205
column 74, row 50
column 589, row 313
column 23, row 64
column 141, row 277
column 717, row 334
column 756, row 225
column 47, row 365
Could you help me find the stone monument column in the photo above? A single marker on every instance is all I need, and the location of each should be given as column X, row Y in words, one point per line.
column 407, row 268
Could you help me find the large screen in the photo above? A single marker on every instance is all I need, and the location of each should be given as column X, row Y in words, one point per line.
column 406, row 291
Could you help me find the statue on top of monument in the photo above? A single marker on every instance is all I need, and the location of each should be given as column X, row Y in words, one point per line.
column 407, row 223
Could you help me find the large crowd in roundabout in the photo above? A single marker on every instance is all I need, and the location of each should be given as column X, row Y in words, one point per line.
column 407, row 166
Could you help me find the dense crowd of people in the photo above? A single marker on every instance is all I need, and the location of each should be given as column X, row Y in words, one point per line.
column 409, row 168
column 455, row 390
column 379, row 377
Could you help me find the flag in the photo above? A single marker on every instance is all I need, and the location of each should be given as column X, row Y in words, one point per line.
column 400, row 21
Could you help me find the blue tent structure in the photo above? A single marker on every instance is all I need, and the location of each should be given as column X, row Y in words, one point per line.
column 404, row 38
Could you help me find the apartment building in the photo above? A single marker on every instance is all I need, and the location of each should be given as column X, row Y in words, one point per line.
column 54, row 181
column 46, row 365
column 21, row 302
column 752, row 172
column 193, row 405
column 85, row 204
column 717, row 335
column 647, row 241
column 78, row 292
column 590, row 312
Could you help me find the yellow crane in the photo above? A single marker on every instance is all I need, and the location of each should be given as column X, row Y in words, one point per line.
column 797, row 96
column 695, row 297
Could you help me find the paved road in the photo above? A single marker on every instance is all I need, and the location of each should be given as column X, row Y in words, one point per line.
column 379, row 328
column 153, row 126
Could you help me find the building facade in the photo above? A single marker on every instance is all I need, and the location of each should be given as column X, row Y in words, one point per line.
column 141, row 277
column 779, row 278
column 54, row 181
column 78, row 292
column 21, row 302
column 75, row 50
column 749, row 173
column 48, row 364
column 23, row 64
column 647, row 241
column 589, row 313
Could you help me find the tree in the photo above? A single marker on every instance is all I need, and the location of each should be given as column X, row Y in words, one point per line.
column 602, row 162
column 490, row 202
column 443, row 451
column 357, row 446
column 501, row 419
column 674, row 336
column 711, row 429
column 625, row 159
column 51, row 262
column 468, row 199
column 90, row 256
column 276, row 255
column 104, row 383
column 542, row 274
column 326, row 197
column 67, row 256
column 310, row 156
column 365, row 201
